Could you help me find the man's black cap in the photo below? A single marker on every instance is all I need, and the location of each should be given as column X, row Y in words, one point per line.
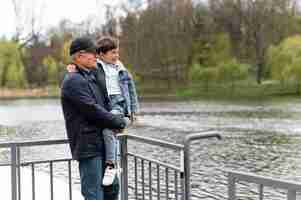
column 82, row 44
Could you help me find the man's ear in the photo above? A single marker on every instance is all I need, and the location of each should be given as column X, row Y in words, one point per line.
column 101, row 54
column 76, row 57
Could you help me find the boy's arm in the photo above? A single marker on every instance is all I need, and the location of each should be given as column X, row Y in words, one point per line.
column 133, row 95
column 132, row 91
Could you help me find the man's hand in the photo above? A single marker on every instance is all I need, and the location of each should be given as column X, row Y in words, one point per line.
column 118, row 131
column 71, row 68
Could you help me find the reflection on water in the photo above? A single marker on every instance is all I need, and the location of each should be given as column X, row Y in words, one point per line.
column 13, row 112
column 261, row 137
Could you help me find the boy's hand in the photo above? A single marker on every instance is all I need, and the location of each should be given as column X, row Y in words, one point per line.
column 71, row 68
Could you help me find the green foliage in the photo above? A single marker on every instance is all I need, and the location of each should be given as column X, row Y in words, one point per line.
column 201, row 73
column 11, row 67
column 211, row 53
column 208, row 56
column 232, row 71
column 284, row 60
column 215, row 62
column 57, row 61
column 65, row 51
column 53, row 70
column 35, row 63
column 294, row 70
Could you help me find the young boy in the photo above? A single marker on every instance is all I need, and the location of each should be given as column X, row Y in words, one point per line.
column 121, row 94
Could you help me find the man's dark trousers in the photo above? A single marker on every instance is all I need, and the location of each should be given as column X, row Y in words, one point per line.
column 91, row 174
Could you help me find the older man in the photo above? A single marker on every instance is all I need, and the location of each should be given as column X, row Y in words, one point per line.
column 85, row 112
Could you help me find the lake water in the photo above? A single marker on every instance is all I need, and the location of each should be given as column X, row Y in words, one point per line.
column 262, row 137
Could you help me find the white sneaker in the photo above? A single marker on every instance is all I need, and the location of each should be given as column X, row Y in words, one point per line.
column 127, row 121
column 109, row 176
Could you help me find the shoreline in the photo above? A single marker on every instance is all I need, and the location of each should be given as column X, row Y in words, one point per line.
column 53, row 92
column 6, row 93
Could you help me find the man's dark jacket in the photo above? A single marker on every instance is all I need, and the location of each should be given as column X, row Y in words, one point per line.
column 85, row 107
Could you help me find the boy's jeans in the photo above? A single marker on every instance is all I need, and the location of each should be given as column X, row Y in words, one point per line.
column 111, row 145
column 91, row 174
column 110, row 139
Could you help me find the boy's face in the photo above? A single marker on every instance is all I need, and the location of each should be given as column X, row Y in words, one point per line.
column 111, row 56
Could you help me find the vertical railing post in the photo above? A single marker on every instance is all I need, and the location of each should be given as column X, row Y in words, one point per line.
column 14, row 171
column 187, row 170
column 231, row 187
column 182, row 175
column 260, row 192
column 187, row 141
column 291, row 195
column 19, row 172
column 124, row 167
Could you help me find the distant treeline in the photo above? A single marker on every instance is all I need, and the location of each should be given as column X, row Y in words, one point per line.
column 172, row 43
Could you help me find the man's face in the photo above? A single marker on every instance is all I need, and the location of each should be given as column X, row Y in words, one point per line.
column 111, row 56
column 87, row 59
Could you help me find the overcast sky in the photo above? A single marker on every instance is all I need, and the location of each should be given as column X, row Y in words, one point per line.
column 52, row 11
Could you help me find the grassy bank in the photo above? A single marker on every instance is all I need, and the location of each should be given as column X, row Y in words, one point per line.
column 244, row 90
column 15, row 93
column 241, row 91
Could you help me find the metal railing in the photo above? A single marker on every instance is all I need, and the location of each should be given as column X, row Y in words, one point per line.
column 187, row 141
column 183, row 172
column 151, row 188
column 145, row 186
column 235, row 177
column 15, row 166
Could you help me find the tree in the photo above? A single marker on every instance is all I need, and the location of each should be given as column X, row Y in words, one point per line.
column 28, row 18
column 254, row 25
column 53, row 70
column 232, row 71
column 58, row 57
column 203, row 74
column 294, row 73
column 158, row 40
column 214, row 50
column 11, row 66
column 111, row 25
column 284, row 61
column 36, row 72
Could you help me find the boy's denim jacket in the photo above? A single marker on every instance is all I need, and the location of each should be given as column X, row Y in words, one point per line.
column 128, row 90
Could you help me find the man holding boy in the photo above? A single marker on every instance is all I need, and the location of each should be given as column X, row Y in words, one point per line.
column 120, row 91
column 85, row 107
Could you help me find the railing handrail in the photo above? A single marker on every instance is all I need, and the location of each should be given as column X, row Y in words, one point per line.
column 34, row 143
column 147, row 140
column 263, row 180
column 200, row 135
column 65, row 141
column 153, row 141
column 186, row 157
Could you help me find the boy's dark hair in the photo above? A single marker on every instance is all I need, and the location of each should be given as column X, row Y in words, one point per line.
column 106, row 44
